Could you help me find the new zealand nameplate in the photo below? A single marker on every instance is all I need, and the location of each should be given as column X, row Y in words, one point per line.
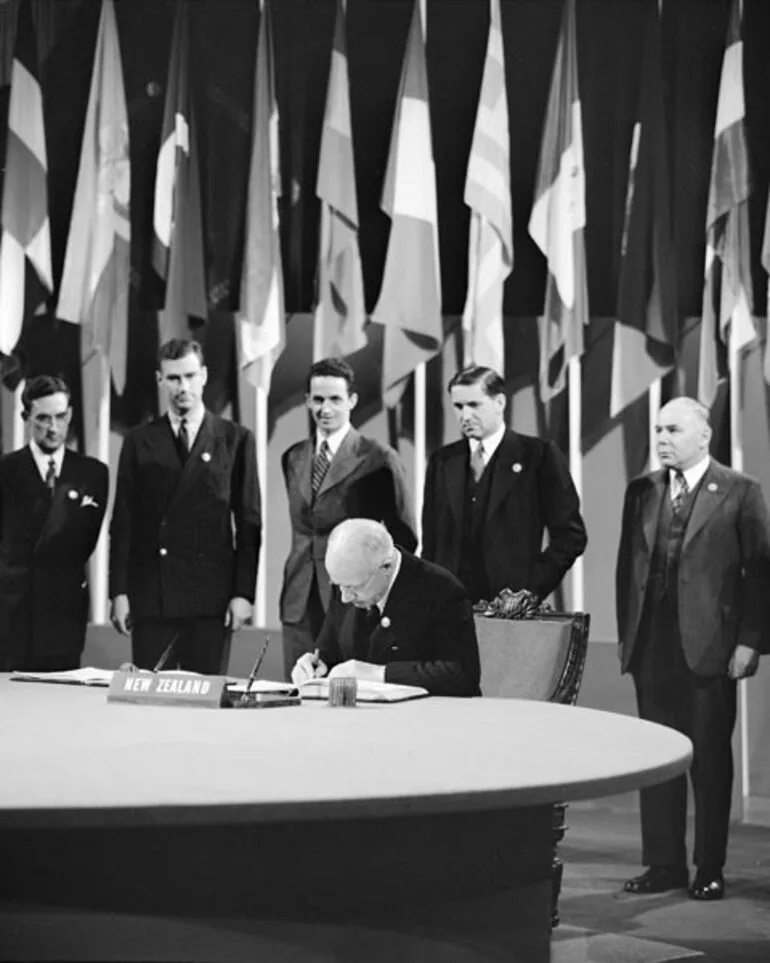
column 167, row 688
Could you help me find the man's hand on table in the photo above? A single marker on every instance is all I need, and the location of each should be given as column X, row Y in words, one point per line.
column 308, row 666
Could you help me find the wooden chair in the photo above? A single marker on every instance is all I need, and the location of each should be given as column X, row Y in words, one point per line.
column 542, row 659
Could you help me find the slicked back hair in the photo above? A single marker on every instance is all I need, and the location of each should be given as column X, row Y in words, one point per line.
column 178, row 348
column 332, row 368
column 41, row 387
column 476, row 374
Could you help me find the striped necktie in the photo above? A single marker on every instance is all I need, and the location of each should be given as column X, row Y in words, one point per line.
column 682, row 491
column 477, row 461
column 321, row 464
column 50, row 475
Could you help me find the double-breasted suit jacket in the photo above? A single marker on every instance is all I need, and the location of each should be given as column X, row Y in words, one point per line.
column 531, row 492
column 723, row 586
column 426, row 635
column 364, row 480
column 185, row 539
column 45, row 542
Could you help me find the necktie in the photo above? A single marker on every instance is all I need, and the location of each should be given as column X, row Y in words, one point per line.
column 50, row 475
column 477, row 461
column 682, row 491
column 320, row 467
column 183, row 440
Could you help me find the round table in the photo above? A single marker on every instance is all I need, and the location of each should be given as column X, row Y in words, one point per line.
column 419, row 830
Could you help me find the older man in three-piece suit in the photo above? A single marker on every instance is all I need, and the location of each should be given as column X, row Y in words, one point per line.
column 692, row 590
column 186, row 526
column 489, row 499
column 336, row 474
column 52, row 503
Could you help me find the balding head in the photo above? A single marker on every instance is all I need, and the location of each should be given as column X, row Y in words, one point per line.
column 360, row 556
column 683, row 433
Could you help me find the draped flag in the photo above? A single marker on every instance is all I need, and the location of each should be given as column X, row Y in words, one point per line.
column 410, row 298
column 766, row 266
column 26, row 278
column 727, row 287
column 645, row 337
column 261, row 314
column 177, row 253
column 488, row 195
column 558, row 217
column 94, row 286
column 340, row 314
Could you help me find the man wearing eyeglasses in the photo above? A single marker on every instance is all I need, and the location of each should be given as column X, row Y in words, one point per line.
column 52, row 503
column 392, row 618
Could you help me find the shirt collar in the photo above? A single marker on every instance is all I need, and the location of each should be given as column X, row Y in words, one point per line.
column 194, row 420
column 491, row 443
column 396, row 569
column 42, row 458
column 334, row 440
column 693, row 474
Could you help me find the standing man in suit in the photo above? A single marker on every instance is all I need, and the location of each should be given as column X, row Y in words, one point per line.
column 52, row 503
column 334, row 475
column 490, row 497
column 186, row 526
column 692, row 583
column 392, row 618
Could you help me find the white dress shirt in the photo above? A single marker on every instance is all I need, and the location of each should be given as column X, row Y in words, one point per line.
column 490, row 444
column 193, row 420
column 692, row 476
column 42, row 458
column 334, row 440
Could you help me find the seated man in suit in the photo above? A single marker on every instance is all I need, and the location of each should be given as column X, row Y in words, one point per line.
column 52, row 503
column 392, row 617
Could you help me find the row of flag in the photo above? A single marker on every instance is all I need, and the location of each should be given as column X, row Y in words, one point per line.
column 94, row 286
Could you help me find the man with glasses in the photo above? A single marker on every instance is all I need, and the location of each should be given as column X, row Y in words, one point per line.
column 52, row 503
column 392, row 618
column 186, row 526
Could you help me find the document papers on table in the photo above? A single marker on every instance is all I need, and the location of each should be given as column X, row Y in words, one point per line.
column 85, row 676
column 366, row 692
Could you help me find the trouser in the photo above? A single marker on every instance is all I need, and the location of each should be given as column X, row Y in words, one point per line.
column 703, row 709
column 299, row 637
column 199, row 644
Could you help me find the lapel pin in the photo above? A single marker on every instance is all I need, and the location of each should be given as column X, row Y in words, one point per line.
column 72, row 494
column 205, row 456
column 385, row 622
column 712, row 486
column 516, row 467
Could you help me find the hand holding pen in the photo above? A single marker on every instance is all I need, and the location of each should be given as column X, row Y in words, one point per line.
column 308, row 666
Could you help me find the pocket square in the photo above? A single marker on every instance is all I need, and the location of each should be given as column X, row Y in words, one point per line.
column 87, row 501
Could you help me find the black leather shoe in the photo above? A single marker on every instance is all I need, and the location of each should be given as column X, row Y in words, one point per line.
column 708, row 886
column 658, row 879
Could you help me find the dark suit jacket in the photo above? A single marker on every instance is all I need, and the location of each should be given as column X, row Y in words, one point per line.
column 532, row 491
column 365, row 480
column 183, row 545
column 724, row 569
column 44, row 546
column 431, row 638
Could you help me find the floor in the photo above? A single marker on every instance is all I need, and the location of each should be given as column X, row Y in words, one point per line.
column 601, row 924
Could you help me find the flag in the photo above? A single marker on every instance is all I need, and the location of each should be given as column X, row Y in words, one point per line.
column 488, row 195
column 94, row 285
column 558, row 217
column 340, row 313
column 261, row 314
column 645, row 337
column 26, row 278
column 177, row 253
column 409, row 305
column 766, row 266
column 727, row 287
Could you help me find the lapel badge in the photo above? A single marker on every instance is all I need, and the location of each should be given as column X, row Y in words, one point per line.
column 712, row 486
column 516, row 467
column 72, row 494
column 385, row 622
column 205, row 456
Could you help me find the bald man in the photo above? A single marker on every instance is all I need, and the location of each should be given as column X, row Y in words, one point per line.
column 692, row 586
column 392, row 617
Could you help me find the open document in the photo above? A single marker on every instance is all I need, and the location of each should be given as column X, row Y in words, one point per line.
column 85, row 676
column 366, row 692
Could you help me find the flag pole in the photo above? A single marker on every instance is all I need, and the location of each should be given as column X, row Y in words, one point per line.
column 653, row 397
column 574, row 369
column 260, row 418
column 98, row 564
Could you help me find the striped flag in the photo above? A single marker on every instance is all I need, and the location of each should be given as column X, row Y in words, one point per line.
column 558, row 217
column 645, row 337
column 26, row 278
column 340, row 314
column 727, row 287
column 177, row 253
column 261, row 314
column 94, row 286
column 488, row 194
column 410, row 298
